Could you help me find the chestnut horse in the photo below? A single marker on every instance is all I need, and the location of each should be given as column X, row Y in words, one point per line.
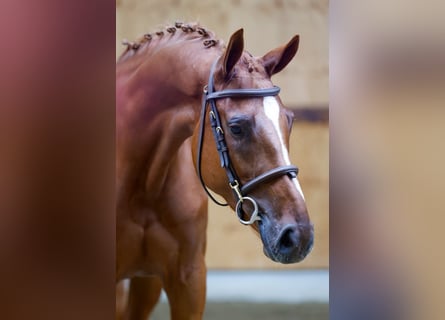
column 168, row 156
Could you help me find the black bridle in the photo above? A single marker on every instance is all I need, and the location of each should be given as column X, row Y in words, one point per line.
column 240, row 191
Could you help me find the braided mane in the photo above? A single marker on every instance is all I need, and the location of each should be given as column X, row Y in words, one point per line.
column 167, row 34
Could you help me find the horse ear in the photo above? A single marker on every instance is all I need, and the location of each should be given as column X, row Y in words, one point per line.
column 275, row 60
column 233, row 52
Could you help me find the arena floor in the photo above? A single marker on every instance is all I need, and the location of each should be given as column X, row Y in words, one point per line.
column 257, row 311
column 262, row 295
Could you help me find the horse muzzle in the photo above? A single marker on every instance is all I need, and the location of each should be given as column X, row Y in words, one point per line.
column 289, row 244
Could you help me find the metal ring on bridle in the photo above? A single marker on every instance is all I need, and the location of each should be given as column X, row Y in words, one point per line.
column 253, row 217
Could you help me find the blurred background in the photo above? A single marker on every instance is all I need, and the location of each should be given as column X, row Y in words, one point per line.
column 387, row 98
column 238, row 269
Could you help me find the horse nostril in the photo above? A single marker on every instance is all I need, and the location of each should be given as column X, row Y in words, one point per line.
column 289, row 238
column 293, row 243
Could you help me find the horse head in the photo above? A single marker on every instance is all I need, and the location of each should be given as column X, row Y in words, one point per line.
column 254, row 129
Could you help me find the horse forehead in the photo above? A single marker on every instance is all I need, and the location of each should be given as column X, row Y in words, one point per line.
column 263, row 109
column 271, row 112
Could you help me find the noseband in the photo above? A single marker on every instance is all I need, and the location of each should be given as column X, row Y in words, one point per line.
column 240, row 191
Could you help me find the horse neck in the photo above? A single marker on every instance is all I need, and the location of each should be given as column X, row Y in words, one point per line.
column 170, row 78
column 158, row 107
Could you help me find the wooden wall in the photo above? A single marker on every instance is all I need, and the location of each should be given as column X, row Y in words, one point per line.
column 267, row 24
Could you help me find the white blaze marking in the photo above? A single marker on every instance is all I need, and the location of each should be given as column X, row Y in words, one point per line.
column 272, row 111
column 126, row 284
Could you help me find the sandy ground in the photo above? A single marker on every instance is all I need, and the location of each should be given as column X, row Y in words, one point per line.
column 247, row 311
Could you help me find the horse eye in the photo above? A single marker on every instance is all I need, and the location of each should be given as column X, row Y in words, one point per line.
column 236, row 129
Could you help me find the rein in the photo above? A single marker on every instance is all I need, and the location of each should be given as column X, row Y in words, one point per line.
column 240, row 191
